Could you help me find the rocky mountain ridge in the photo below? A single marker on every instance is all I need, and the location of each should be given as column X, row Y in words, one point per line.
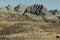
column 34, row 12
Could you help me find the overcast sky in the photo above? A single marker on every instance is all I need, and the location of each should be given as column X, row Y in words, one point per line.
column 50, row 4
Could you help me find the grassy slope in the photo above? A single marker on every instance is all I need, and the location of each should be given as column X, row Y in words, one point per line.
column 28, row 26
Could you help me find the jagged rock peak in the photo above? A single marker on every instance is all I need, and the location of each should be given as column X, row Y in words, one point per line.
column 35, row 9
column 55, row 12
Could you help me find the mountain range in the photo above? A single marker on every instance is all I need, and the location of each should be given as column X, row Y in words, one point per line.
column 34, row 12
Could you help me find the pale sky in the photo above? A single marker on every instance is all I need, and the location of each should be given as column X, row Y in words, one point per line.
column 50, row 4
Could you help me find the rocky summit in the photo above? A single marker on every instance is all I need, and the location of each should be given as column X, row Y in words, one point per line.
column 33, row 12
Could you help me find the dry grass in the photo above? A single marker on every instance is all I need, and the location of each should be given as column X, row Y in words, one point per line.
column 49, row 31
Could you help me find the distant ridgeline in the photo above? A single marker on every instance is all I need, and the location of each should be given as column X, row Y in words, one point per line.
column 33, row 12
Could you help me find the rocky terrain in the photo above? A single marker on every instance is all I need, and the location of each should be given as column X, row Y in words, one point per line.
column 34, row 12
column 33, row 22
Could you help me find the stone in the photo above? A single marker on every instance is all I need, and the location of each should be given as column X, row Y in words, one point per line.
column 57, row 36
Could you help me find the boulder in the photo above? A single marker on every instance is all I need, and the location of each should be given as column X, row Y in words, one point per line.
column 57, row 36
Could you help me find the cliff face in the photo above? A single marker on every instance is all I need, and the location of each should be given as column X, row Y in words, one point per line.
column 34, row 12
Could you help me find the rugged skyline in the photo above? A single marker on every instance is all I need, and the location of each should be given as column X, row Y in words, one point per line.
column 33, row 12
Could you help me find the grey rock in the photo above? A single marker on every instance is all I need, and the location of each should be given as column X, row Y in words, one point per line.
column 20, row 8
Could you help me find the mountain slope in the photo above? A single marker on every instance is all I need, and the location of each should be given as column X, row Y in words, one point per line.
column 34, row 12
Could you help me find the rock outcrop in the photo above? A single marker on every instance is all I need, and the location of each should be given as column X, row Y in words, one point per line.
column 39, row 12
column 56, row 13
column 20, row 8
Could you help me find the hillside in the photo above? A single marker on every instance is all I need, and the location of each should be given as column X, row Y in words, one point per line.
column 34, row 12
column 33, row 22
